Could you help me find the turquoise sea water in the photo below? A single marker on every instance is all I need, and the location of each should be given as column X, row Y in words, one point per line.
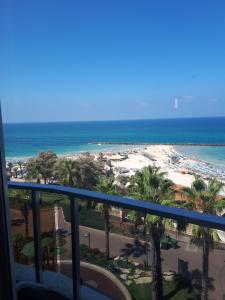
column 215, row 155
column 26, row 140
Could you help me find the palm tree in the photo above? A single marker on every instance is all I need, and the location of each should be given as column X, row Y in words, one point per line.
column 24, row 208
column 22, row 199
column 10, row 166
column 15, row 170
column 16, row 239
column 150, row 184
column 203, row 197
column 106, row 186
column 100, row 156
column 20, row 163
column 66, row 171
column 134, row 216
column 33, row 170
column 84, row 172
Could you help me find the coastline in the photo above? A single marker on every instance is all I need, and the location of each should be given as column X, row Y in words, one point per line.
column 179, row 167
column 168, row 144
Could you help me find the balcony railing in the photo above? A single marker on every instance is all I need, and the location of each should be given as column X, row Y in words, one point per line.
column 75, row 194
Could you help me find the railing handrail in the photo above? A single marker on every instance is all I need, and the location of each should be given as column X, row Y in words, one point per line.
column 179, row 214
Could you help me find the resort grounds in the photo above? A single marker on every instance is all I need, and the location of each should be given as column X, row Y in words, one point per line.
column 126, row 246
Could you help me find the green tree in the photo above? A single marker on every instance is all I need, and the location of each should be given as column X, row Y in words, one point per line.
column 83, row 172
column 87, row 172
column 43, row 164
column 106, row 186
column 203, row 197
column 33, row 170
column 151, row 185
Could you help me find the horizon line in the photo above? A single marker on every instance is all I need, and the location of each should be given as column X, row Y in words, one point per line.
column 115, row 120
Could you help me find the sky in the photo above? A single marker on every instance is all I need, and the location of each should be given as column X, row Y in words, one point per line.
column 66, row 60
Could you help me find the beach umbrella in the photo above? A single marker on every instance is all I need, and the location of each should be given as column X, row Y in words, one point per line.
column 28, row 249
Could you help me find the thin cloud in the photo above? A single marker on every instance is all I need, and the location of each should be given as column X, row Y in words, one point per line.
column 143, row 103
column 189, row 97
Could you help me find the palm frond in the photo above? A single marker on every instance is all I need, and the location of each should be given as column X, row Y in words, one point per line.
column 220, row 205
column 196, row 237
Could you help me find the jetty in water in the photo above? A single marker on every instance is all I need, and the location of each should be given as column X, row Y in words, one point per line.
column 169, row 144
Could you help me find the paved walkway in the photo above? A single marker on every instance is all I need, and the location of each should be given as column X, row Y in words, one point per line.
column 135, row 250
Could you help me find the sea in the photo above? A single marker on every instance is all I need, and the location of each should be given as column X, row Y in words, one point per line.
column 200, row 138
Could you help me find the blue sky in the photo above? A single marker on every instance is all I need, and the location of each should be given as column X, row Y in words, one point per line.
column 111, row 59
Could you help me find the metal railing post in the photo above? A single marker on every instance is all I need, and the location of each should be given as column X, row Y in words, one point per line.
column 7, row 276
column 74, row 211
column 37, row 235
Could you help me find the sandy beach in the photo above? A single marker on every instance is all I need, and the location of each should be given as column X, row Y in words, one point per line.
column 162, row 156
column 179, row 168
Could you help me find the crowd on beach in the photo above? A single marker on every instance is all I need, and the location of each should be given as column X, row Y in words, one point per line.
column 179, row 168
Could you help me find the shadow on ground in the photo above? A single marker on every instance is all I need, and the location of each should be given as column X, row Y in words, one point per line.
column 191, row 281
column 137, row 249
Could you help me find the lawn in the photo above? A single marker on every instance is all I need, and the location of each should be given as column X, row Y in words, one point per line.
column 171, row 292
column 88, row 217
